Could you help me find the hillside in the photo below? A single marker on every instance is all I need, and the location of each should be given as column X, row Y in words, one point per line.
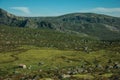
column 101, row 26
column 12, row 37
column 78, row 46
column 51, row 54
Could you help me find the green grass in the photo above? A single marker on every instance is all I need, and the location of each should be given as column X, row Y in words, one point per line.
column 84, row 76
column 107, row 74
column 46, row 79
column 56, row 51
column 52, row 58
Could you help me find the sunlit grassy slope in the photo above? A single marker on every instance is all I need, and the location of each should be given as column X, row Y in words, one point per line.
column 49, row 53
column 51, row 58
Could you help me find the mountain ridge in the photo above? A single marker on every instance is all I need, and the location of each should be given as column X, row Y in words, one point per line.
column 98, row 25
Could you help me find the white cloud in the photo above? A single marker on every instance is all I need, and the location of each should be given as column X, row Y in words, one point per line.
column 108, row 10
column 22, row 9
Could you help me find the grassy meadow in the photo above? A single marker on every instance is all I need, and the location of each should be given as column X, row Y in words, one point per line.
column 52, row 55
column 50, row 59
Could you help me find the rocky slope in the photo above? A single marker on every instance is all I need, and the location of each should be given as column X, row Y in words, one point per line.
column 102, row 26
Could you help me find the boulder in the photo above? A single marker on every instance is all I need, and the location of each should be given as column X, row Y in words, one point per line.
column 22, row 66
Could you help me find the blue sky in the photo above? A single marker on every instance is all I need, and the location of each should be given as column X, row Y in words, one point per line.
column 60, row 7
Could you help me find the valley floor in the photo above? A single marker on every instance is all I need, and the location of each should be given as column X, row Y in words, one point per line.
column 53, row 64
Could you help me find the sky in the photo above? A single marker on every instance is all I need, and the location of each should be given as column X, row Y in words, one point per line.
column 60, row 7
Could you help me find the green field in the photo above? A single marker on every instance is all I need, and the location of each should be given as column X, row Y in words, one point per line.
column 52, row 55
column 51, row 59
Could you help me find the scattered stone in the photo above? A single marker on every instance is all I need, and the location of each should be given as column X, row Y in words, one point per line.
column 110, row 67
column 30, row 67
column 66, row 76
column 99, row 66
column 40, row 63
column 116, row 66
column 75, row 72
column 80, row 70
column 40, row 70
column 56, row 68
column 117, row 53
column 36, row 77
column 86, row 71
column 90, row 69
column 22, row 66
column 69, row 72
column 69, row 61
